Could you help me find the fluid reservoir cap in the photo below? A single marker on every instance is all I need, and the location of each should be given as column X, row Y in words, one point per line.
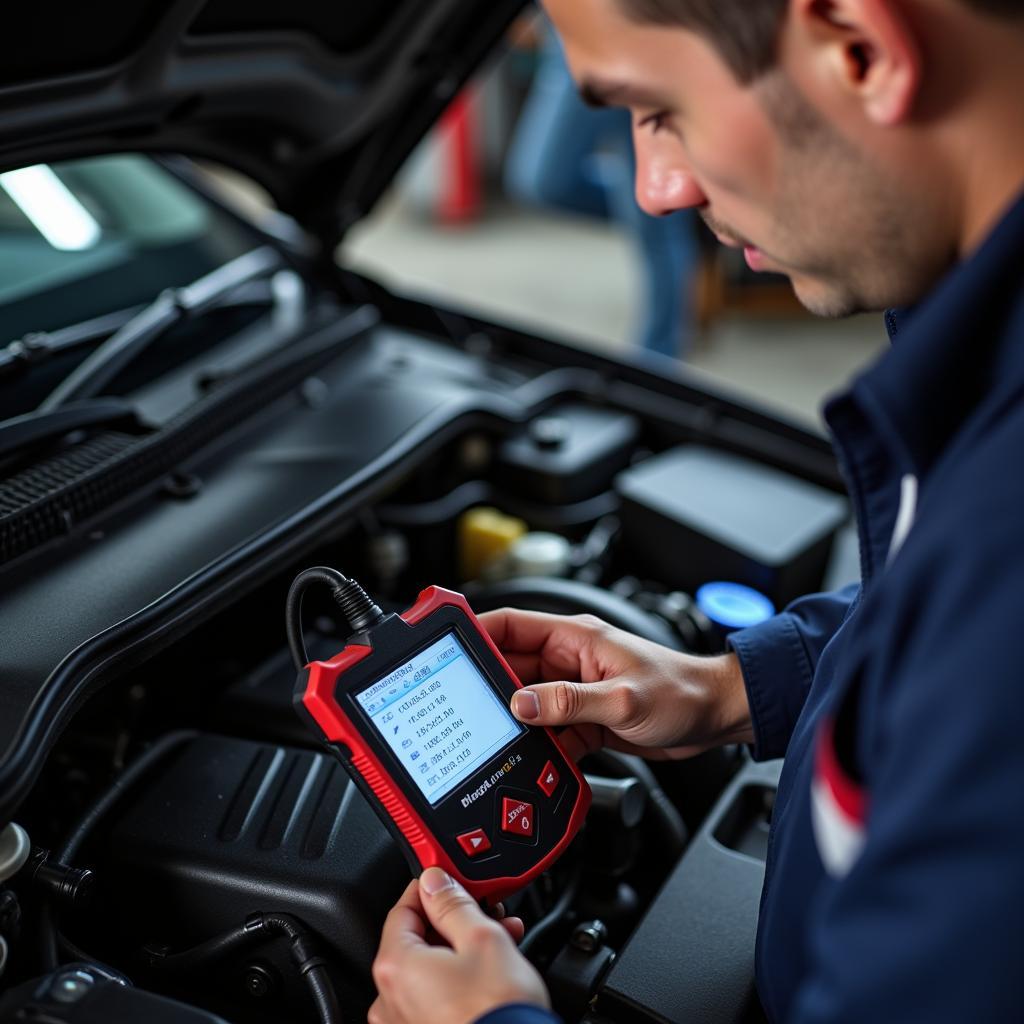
column 549, row 432
column 540, row 554
column 733, row 606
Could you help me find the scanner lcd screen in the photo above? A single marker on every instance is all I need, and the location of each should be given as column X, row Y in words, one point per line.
column 439, row 715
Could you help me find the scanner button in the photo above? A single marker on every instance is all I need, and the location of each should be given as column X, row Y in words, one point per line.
column 474, row 843
column 517, row 817
column 548, row 779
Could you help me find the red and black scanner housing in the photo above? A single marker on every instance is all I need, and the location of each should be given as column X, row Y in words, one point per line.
column 531, row 775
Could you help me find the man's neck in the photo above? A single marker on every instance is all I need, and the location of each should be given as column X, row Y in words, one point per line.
column 987, row 137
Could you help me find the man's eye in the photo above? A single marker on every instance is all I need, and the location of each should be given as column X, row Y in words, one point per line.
column 654, row 121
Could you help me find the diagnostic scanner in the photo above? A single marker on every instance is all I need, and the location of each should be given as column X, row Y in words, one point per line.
column 416, row 707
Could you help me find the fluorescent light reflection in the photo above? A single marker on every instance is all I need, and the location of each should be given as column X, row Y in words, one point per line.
column 54, row 210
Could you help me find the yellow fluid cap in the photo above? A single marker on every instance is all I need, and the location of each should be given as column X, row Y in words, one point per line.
column 485, row 534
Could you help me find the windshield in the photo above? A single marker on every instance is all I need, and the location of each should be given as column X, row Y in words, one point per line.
column 87, row 237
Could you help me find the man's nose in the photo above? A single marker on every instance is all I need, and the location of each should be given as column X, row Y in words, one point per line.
column 664, row 186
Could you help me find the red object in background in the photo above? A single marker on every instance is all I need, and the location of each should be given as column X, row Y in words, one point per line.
column 460, row 185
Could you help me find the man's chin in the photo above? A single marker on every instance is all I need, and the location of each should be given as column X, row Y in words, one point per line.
column 829, row 301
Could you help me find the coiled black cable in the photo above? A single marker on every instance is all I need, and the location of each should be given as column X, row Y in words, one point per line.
column 311, row 967
column 359, row 609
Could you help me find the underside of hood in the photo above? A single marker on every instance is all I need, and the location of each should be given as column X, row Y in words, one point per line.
column 319, row 102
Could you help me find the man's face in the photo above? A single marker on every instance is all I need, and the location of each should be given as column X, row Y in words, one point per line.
column 764, row 169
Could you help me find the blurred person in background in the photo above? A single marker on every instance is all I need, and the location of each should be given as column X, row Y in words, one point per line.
column 568, row 155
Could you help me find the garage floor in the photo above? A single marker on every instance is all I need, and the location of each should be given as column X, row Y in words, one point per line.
column 575, row 278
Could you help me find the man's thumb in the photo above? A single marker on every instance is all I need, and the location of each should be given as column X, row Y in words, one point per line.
column 454, row 914
column 565, row 703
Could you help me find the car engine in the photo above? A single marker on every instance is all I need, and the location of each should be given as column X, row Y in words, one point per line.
column 188, row 834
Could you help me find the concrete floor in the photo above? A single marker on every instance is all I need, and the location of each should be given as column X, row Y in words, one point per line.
column 576, row 279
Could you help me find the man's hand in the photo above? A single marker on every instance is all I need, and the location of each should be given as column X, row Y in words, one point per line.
column 442, row 960
column 613, row 689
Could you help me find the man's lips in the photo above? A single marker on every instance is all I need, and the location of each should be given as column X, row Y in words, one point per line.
column 754, row 257
column 751, row 253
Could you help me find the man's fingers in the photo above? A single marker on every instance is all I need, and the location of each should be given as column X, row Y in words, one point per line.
column 608, row 703
column 583, row 738
column 405, row 926
column 515, row 927
column 519, row 631
column 527, row 667
column 454, row 914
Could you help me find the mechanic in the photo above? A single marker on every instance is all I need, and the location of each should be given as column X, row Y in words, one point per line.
column 873, row 151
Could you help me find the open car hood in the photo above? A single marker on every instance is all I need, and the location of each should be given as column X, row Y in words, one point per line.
column 320, row 103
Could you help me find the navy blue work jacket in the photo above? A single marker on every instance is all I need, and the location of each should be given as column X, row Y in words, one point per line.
column 895, row 881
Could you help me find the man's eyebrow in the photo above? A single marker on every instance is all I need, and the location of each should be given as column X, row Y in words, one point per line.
column 618, row 94
column 592, row 95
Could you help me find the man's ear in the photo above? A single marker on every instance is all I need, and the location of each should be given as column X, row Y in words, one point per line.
column 867, row 48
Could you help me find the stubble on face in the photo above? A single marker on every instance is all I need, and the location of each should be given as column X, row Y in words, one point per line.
column 848, row 236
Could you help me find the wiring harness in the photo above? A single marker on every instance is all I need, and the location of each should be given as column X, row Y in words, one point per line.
column 258, row 928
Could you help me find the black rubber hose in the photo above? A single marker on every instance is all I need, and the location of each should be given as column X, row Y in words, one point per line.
column 49, row 930
column 482, row 492
column 311, row 966
column 128, row 777
column 205, row 954
column 553, row 916
column 571, row 597
column 669, row 819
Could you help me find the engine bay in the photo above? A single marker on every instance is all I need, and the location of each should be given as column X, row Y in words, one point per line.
column 187, row 832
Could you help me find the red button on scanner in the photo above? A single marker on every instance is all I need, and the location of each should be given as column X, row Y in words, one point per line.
column 474, row 843
column 548, row 779
column 516, row 817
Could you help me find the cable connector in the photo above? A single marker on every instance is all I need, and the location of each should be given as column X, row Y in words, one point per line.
column 360, row 610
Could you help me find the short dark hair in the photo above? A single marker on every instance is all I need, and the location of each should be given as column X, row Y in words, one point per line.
column 746, row 32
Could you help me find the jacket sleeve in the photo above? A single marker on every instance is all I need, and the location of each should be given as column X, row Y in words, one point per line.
column 928, row 924
column 779, row 658
column 519, row 1013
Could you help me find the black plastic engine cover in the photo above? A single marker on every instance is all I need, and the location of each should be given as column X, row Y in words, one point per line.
column 233, row 827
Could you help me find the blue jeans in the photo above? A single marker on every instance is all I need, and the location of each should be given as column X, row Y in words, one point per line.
column 554, row 160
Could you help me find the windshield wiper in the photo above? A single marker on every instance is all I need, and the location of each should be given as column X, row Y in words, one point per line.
column 19, row 433
column 38, row 346
column 171, row 307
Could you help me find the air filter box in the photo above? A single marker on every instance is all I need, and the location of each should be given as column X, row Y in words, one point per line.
column 694, row 514
column 230, row 828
